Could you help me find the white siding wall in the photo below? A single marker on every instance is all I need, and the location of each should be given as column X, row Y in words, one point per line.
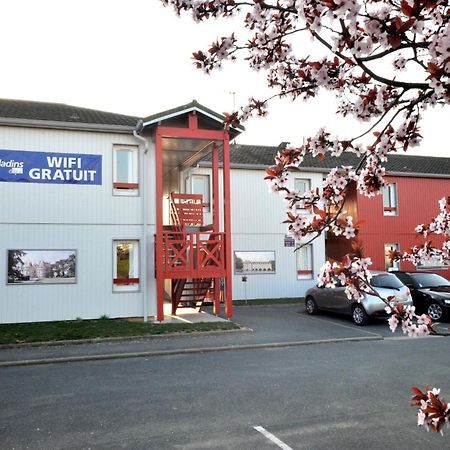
column 53, row 203
column 89, row 218
column 80, row 217
column 257, row 217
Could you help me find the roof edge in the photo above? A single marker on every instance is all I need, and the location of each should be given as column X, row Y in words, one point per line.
column 324, row 170
column 193, row 106
column 417, row 175
column 246, row 166
column 76, row 126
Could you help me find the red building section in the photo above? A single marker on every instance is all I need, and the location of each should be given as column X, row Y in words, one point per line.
column 415, row 202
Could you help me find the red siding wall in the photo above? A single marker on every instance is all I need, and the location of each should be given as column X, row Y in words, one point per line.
column 417, row 202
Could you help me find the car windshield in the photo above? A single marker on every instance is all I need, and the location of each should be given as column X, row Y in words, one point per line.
column 425, row 280
column 386, row 280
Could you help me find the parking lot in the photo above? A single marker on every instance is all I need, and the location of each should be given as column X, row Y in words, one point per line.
column 263, row 326
column 294, row 382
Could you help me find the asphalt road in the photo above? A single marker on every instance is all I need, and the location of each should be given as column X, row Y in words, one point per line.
column 347, row 395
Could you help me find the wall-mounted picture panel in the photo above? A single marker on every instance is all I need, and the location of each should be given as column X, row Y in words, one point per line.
column 41, row 266
column 254, row 262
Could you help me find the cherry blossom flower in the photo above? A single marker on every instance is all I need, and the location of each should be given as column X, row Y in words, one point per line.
column 393, row 322
column 358, row 36
column 433, row 412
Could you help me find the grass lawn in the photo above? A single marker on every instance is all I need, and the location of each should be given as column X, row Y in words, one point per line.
column 100, row 328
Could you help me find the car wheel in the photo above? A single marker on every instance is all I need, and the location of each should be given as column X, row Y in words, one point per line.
column 311, row 306
column 360, row 316
column 435, row 311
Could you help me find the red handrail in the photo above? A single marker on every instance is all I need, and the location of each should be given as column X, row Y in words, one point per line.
column 192, row 254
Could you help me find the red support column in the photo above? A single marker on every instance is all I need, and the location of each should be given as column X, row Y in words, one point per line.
column 159, row 228
column 227, row 226
column 216, row 217
column 216, row 308
column 215, row 186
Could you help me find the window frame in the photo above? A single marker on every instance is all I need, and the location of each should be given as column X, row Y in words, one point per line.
column 390, row 200
column 254, row 256
column 130, row 187
column 131, row 284
column 305, row 273
column 308, row 188
column 395, row 264
column 206, row 201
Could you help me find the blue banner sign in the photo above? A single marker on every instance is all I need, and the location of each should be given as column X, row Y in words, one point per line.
column 55, row 168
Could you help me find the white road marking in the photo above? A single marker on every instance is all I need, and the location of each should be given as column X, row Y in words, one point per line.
column 341, row 325
column 272, row 438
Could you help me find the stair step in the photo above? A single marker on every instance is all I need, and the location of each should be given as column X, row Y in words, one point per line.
column 191, row 292
column 190, row 300
column 195, row 288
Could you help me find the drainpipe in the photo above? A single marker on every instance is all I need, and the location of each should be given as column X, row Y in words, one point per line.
column 143, row 164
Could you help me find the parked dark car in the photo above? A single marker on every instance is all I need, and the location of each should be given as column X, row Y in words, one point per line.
column 430, row 293
column 335, row 299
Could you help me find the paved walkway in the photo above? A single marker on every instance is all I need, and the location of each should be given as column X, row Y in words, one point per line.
column 189, row 315
column 264, row 326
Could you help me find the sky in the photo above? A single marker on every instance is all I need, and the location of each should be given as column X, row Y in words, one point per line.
column 256, row 256
column 36, row 256
column 134, row 57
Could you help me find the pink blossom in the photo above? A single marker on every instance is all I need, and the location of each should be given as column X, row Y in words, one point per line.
column 393, row 322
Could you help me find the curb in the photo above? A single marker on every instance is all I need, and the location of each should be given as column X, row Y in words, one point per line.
column 129, row 355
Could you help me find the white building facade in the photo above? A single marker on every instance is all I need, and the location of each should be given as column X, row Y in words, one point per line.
column 86, row 220
column 258, row 232
column 77, row 221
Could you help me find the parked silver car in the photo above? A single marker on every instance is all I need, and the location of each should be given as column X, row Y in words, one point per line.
column 335, row 299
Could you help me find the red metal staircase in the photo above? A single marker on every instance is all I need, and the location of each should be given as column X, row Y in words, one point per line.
column 189, row 293
column 188, row 254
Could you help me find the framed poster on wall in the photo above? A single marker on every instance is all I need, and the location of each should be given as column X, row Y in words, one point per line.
column 41, row 266
column 254, row 262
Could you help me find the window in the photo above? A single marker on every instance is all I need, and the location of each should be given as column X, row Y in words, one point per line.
column 304, row 263
column 391, row 265
column 390, row 200
column 301, row 185
column 126, row 266
column 427, row 280
column 200, row 185
column 385, row 280
column 435, row 263
column 125, row 170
